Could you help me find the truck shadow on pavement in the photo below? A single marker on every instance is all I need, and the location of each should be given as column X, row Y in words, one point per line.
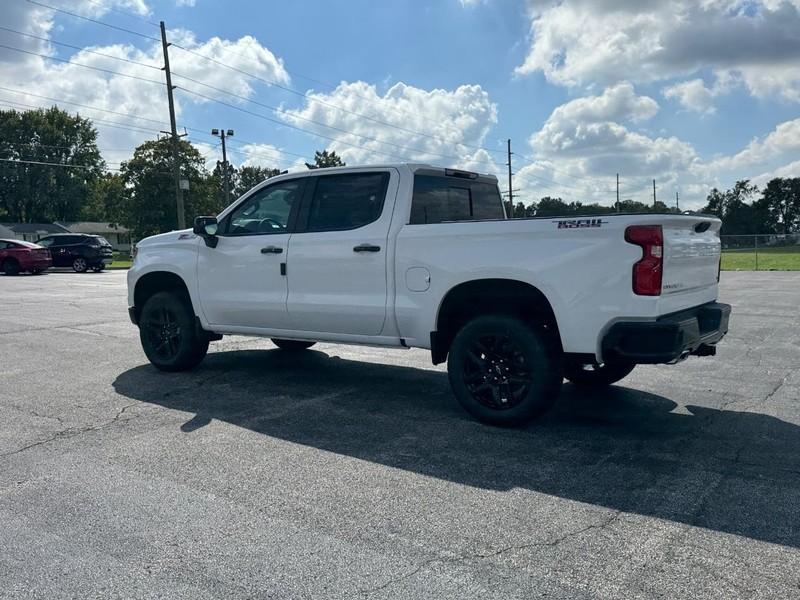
column 733, row 472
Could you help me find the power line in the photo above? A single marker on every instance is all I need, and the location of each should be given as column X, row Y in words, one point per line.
column 94, row 120
column 38, row 145
column 52, row 164
column 269, row 82
column 128, row 126
column 64, row 60
column 122, row 12
column 80, row 48
column 274, row 83
column 114, row 112
column 271, row 120
column 103, row 23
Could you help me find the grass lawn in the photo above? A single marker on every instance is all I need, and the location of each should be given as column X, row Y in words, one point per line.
column 786, row 258
column 121, row 261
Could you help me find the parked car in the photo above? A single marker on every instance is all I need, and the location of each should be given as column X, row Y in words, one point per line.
column 17, row 256
column 79, row 250
column 417, row 256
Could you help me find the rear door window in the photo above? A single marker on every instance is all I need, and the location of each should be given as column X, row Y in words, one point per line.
column 443, row 199
column 347, row 201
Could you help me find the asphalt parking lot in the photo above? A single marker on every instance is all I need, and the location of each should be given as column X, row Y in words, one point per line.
column 351, row 472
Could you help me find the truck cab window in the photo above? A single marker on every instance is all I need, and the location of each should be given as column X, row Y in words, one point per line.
column 266, row 211
column 442, row 199
column 349, row 201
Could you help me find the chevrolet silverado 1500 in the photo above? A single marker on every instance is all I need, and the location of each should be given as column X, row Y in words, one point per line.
column 410, row 255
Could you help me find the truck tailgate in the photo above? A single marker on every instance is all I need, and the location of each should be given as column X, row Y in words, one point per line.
column 691, row 254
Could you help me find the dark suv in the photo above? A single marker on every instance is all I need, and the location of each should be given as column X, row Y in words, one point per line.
column 78, row 250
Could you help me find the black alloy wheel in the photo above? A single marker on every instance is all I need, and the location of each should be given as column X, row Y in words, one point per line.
column 496, row 372
column 503, row 370
column 168, row 333
column 164, row 332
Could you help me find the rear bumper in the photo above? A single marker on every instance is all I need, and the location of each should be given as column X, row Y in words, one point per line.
column 40, row 264
column 669, row 338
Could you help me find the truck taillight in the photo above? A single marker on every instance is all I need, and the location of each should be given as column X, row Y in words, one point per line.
column 648, row 270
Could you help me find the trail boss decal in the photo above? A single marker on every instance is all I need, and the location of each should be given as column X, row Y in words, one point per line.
column 579, row 223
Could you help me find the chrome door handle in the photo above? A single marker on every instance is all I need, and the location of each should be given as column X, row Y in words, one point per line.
column 271, row 250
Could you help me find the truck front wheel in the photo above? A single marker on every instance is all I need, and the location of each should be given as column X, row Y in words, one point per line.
column 503, row 371
column 169, row 335
column 591, row 375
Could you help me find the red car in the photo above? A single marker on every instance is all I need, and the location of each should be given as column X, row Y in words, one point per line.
column 17, row 256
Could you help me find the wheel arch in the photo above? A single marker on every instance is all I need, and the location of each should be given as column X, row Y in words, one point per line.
column 471, row 299
column 159, row 281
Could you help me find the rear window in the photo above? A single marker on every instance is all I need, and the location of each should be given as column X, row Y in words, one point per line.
column 442, row 199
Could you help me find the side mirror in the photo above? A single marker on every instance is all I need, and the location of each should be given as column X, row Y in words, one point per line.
column 206, row 228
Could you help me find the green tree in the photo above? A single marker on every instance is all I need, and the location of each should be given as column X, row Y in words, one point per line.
column 216, row 184
column 326, row 159
column 35, row 192
column 106, row 199
column 739, row 212
column 782, row 201
column 251, row 176
column 551, row 207
column 148, row 177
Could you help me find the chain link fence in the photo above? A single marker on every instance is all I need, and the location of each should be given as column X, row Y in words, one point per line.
column 768, row 252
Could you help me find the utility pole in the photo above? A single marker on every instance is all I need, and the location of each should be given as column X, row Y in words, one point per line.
column 654, row 193
column 617, row 192
column 510, row 186
column 677, row 202
column 222, row 133
column 176, row 167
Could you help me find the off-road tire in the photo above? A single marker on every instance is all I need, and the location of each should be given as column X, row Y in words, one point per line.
column 504, row 371
column 169, row 335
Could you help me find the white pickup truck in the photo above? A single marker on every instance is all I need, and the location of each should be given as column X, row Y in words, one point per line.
column 411, row 255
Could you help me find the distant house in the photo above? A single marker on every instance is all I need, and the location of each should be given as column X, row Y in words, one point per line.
column 30, row 232
column 119, row 237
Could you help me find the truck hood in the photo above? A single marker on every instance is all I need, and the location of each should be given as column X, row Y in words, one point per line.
column 166, row 238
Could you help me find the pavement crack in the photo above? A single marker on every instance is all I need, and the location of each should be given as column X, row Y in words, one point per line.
column 71, row 432
column 611, row 520
column 607, row 522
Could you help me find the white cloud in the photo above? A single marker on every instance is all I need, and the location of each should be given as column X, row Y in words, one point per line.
column 189, row 3
column 782, row 142
column 584, row 42
column 791, row 170
column 586, row 142
column 406, row 123
column 118, row 92
column 693, row 95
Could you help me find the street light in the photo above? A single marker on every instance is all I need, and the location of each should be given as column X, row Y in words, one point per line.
column 222, row 134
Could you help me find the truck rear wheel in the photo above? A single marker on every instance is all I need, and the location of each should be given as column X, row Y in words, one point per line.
column 503, row 371
column 591, row 375
column 168, row 333
column 292, row 345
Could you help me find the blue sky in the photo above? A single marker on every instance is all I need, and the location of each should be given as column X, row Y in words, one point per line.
column 692, row 93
